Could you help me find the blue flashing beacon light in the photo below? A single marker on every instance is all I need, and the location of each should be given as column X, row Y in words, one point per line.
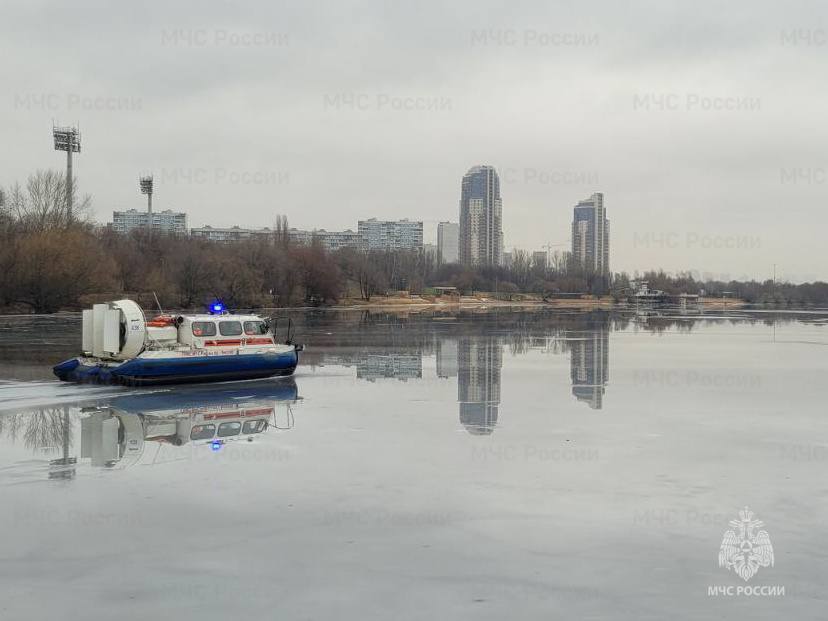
column 216, row 445
column 216, row 308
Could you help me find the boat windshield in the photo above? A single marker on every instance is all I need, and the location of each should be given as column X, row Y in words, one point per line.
column 255, row 327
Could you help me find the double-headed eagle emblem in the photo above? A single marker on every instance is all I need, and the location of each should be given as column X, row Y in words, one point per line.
column 743, row 549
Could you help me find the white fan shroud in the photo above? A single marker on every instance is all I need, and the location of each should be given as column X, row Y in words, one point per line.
column 134, row 326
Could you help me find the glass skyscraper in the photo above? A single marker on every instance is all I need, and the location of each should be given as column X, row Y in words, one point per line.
column 590, row 235
column 481, row 218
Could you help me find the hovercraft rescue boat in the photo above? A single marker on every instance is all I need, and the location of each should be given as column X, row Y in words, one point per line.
column 121, row 347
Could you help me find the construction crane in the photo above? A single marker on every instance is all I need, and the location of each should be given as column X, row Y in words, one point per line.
column 548, row 247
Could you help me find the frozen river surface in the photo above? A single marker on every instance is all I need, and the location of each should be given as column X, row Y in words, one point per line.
column 486, row 465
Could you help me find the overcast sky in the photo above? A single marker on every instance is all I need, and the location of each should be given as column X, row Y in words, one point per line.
column 702, row 123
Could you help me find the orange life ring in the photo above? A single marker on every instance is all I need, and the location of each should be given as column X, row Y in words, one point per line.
column 161, row 321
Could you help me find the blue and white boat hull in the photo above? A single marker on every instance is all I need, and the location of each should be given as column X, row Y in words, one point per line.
column 120, row 346
column 155, row 370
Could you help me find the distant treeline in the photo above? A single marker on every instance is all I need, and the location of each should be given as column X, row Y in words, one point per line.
column 51, row 259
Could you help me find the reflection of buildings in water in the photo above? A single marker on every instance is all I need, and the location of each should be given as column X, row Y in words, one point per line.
column 475, row 361
column 589, row 366
column 374, row 366
column 400, row 366
column 479, row 362
column 446, row 353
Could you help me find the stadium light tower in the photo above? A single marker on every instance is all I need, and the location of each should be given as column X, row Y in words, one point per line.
column 145, row 183
column 67, row 139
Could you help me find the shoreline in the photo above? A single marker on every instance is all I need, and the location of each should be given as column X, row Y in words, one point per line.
column 417, row 303
column 604, row 303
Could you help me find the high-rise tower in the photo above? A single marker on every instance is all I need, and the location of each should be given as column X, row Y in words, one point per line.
column 590, row 235
column 481, row 218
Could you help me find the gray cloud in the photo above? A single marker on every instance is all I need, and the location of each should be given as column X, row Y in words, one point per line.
column 330, row 112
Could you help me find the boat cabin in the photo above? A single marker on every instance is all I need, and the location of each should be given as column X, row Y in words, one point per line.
column 206, row 331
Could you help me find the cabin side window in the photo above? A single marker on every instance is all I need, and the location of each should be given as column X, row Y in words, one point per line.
column 204, row 328
column 252, row 328
column 230, row 328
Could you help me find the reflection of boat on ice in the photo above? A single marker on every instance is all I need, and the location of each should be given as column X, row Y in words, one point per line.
column 117, row 433
column 120, row 346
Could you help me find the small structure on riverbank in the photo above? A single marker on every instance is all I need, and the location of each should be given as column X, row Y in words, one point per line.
column 444, row 291
column 642, row 295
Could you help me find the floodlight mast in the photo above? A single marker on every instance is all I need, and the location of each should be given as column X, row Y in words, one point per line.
column 145, row 183
column 67, row 139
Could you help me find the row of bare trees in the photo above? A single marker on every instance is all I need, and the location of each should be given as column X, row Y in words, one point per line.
column 53, row 258
column 48, row 256
column 189, row 273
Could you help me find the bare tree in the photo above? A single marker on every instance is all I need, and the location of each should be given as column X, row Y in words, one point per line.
column 42, row 206
column 282, row 231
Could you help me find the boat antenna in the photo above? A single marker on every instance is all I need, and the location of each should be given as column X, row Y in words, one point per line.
column 160, row 310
